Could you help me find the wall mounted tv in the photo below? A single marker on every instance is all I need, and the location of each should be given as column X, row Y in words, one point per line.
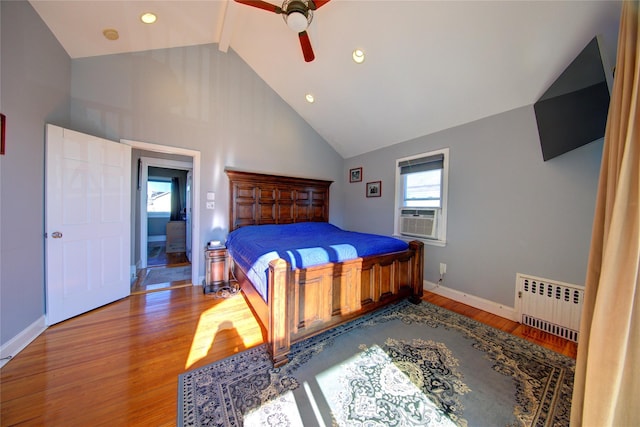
column 573, row 111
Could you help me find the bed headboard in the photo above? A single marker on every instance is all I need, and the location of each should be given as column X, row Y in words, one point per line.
column 272, row 199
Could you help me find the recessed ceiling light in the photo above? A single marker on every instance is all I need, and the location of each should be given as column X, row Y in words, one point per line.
column 148, row 18
column 358, row 56
column 110, row 34
column 309, row 98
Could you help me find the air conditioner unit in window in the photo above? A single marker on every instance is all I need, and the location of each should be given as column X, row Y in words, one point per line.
column 418, row 223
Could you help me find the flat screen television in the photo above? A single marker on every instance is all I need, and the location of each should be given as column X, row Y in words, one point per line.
column 573, row 111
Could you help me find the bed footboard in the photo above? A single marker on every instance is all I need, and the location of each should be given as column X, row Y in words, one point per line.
column 305, row 302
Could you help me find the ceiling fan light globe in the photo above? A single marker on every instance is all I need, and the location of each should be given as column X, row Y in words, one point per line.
column 358, row 56
column 297, row 21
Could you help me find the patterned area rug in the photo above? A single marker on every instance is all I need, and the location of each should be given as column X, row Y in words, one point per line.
column 404, row 365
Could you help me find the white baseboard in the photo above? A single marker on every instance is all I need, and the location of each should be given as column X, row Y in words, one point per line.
column 474, row 301
column 156, row 238
column 16, row 344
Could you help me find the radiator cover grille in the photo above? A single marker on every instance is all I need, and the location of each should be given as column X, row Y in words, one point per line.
column 551, row 306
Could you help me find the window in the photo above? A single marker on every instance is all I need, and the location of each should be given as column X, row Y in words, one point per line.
column 421, row 196
column 159, row 198
column 422, row 189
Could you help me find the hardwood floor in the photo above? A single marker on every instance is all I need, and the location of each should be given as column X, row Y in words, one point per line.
column 118, row 365
column 544, row 339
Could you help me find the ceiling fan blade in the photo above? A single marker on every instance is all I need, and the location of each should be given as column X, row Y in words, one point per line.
column 317, row 4
column 261, row 5
column 307, row 50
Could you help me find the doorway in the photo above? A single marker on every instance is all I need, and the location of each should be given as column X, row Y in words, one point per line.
column 189, row 261
column 165, row 210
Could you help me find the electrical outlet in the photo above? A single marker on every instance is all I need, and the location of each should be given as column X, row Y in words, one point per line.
column 211, row 205
column 443, row 268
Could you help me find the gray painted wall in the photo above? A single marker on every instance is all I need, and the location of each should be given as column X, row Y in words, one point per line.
column 201, row 99
column 36, row 74
column 509, row 212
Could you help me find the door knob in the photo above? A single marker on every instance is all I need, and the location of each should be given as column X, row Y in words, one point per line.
column 56, row 235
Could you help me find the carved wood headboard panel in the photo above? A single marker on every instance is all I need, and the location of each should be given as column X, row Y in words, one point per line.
column 271, row 199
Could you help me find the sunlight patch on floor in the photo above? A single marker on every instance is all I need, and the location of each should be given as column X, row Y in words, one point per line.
column 235, row 332
column 282, row 410
column 359, row 390
column 367, row 389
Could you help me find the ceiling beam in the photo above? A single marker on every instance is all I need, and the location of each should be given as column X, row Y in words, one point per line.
column 228, row 17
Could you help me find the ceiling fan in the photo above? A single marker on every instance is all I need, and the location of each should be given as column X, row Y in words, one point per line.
column 298, row 14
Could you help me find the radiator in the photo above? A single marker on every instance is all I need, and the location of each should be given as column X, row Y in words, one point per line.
column 552, row 306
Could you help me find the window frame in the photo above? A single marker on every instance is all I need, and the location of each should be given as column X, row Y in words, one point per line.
column 441, row 212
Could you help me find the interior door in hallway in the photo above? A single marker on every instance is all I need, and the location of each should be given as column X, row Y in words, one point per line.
column 87, row 222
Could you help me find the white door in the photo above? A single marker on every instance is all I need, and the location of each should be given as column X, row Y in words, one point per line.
column 87, row 222
column 188, row 211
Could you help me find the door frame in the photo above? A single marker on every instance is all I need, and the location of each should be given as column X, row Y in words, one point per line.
column 145, row 163
column 195, row 195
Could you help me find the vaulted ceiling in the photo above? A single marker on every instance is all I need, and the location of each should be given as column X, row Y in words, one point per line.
column 429, row 65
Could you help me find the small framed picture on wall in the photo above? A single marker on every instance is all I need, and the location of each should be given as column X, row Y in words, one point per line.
column 374, row 189
column 355, row 175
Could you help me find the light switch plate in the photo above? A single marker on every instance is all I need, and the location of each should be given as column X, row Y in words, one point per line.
column 211, row 196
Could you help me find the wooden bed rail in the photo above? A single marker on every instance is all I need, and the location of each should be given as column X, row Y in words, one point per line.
column 417, row 283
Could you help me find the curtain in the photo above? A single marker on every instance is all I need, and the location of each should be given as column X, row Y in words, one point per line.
column 175, row 199
column 607, row 382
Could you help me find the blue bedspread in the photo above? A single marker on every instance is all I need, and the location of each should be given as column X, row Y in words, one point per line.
column 301, row 245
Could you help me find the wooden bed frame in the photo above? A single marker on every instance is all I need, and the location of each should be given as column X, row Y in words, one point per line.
column 304, row 302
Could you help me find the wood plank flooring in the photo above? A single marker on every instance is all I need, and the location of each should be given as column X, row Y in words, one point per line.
column 552, row 342
column 118, row 365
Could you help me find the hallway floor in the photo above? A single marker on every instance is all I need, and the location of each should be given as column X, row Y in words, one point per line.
column 164, row 271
